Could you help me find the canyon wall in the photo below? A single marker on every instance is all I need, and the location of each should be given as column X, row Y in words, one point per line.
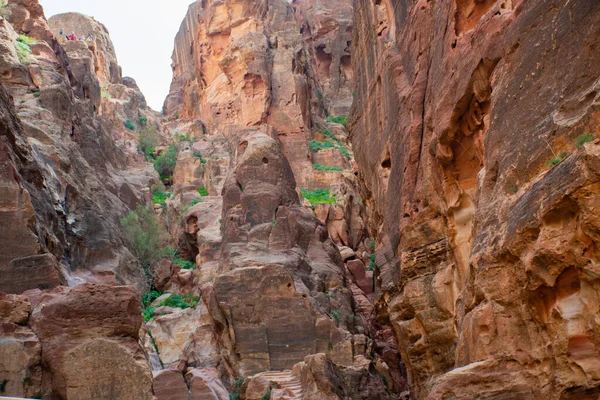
column 474, row 127
column 266, row 189
column 450, row 253
column 67, row 176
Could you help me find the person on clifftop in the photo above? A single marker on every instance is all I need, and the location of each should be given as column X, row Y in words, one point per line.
column 72, row 36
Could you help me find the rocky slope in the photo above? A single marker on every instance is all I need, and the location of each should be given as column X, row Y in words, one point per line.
column 271, row 216
column 450, row 253
column 66, row 181
column 474, row 127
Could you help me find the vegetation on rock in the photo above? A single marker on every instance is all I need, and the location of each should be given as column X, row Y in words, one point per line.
column 318, row 196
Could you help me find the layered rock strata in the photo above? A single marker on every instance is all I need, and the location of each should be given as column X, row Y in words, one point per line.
column 474, row 127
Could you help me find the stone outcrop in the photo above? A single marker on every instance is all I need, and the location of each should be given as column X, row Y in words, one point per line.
column 468, row 128
column 65, row 182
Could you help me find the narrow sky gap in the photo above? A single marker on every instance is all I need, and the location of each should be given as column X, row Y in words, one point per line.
column 142, row 32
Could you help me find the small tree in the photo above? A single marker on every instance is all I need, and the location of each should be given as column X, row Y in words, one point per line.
column 165, row 163
column 144, row 234
column 147, row 142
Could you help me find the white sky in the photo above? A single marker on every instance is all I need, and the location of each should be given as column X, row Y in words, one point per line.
column 143, row 32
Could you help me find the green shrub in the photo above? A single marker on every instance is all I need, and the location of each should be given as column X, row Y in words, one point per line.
column 267, row 395
column 144, row 234
column 315, row 145
column 183, row 137
column 129, row 125
column 203, row 191
column 341, row 119
column 166, row 161
column 148, row 313
column 150, row 296
column 177, row 301
column 318, row 196
column 330, row 135
column 192, row 204
column 160, row 198
column 344, row 151
column 583, row 139
column 237, row 387
column 326, row 168
column 336, row 315
column 143, row 120
column 23, row 52
column 556, row 160
column 105, row 94
column 197, row 154
column 26, row 39
column 184, row 264
column 147, row 142
column 372, row 262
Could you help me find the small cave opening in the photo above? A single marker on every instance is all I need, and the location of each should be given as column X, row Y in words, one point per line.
column 265, row 160
column 324, row 60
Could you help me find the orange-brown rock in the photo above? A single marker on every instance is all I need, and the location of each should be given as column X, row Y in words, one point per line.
column 86, row 334
column 465, row 128
column 168, row 384
column 14, row 309
column 205, row 384
column 20, row 357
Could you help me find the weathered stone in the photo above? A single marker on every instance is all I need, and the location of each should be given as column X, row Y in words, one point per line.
column 86, row 333
column 33, row 272
column 169, row 384
column 205, row 384
column 20, row 357
column 14, row 309
column 484, row 235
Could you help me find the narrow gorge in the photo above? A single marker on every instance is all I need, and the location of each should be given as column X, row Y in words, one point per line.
column 340, row 199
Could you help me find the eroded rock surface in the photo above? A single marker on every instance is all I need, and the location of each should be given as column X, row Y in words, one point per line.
column 467, row 128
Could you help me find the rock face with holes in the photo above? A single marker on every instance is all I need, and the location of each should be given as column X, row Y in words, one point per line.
column 276, row 262
column 469, row 124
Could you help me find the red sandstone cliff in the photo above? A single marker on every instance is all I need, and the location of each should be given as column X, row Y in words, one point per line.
column 467, row 125
column 450, row 253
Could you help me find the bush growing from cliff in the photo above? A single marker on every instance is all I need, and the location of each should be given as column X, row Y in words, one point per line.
column 318, row 196
column 237, row 388
column 583, row 139
column 147, row 142
column 23, row 52
column 341, row 119
column 143, row 120
column 129, row 125
column 166, row 161
column 326, row 168
column 203, row 160
column 337, row 315
column 557, row 159
column 144, row 234
column 315, row 145
column 203, row 191
column 184, row 264
column 148, row 313
column 267, row 395
column 160, row 198
column 372, row 262
column 180, row 137
column 192, row 204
